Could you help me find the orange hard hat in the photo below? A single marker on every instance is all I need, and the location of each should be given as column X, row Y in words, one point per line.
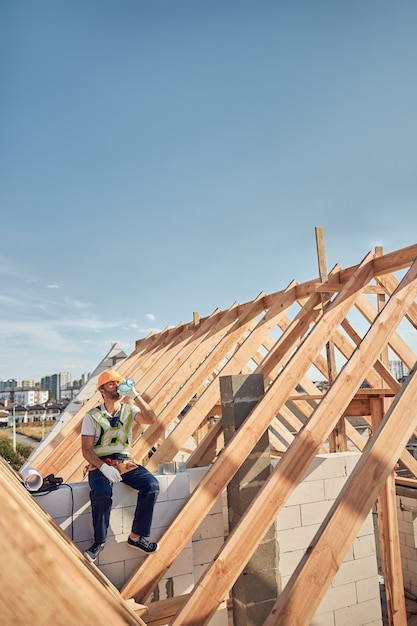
column 109, row 376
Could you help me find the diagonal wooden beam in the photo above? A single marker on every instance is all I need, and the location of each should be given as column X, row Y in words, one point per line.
column 397, row 343
column 390, row 283
column 52, row 582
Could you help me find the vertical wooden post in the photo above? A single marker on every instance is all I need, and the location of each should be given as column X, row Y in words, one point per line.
column 337, row 439
column 388, row 527
column 201, row 431
column 387, row 512
column 381, row 299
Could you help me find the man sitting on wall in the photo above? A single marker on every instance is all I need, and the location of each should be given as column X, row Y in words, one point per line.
column 106, row 437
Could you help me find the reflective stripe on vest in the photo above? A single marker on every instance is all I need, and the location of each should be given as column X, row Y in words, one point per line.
column 113, row 439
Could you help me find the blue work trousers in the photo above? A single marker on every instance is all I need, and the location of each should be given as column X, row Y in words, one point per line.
column 101, row 492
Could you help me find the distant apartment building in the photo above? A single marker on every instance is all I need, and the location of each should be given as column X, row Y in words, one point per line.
column 69, row 391
column 26, row 397
column 56, row 383
column 13, row 391
column 56, row 386
column 28, row 384
column 11, row 383
column 398, row 369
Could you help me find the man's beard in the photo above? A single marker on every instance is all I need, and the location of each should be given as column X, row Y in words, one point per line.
column 113, row 395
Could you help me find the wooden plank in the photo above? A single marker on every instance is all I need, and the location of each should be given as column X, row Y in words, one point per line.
column 335, row 287
column 243, row 540
column 45, row 578
column 397, row 343
column 406, row 482
column 358, row 440
column 276, row 443
column 386, row 264
column 388, row 526
column 339, row 434
column 282, row 431
column 390, row 283
column 209, row 448
column 317, row 568
column 161, row 612
column 387, row 510
column 395, row 261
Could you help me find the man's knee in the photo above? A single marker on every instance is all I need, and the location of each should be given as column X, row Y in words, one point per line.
column 152, row 486
column 155, row 484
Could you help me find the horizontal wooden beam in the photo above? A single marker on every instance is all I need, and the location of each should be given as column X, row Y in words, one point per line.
column 335, row 287
column 161, row 612
column 359, row 405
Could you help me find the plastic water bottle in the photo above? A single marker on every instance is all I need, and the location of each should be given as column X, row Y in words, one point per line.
column 126, row 385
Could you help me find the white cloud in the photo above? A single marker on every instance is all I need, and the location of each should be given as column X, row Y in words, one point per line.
column 77, row 304
column 41, row 334
column 150, row 316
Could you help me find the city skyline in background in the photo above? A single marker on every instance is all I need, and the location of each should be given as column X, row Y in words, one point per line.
column 58, row 386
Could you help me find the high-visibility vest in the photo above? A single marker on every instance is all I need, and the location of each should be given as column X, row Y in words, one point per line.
column 113, row 439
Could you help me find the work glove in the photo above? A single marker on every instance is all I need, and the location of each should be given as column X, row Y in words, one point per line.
column 132, row 393
column 111, row 473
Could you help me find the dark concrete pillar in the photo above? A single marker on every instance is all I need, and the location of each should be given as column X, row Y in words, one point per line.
column 256, row 590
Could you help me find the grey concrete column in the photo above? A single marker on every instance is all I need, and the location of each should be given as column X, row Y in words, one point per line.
column 256, row 590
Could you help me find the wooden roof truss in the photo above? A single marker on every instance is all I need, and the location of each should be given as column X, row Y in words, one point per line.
column 344, row 329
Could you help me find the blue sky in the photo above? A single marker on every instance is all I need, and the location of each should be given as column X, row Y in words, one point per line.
column 160, row 157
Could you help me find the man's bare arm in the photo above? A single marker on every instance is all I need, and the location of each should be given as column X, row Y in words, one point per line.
column 147, row 414
column 87, row 442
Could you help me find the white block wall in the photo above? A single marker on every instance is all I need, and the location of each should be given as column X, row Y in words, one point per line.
column 70, row 508
column 407, row 531
column 354, row 596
